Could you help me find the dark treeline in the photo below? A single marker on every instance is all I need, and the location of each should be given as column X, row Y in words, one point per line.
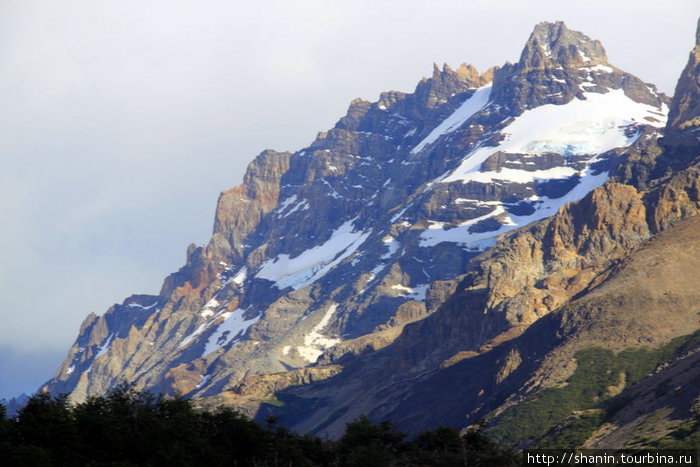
column 128, row 427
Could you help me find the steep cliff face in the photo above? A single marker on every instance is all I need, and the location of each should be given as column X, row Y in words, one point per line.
column 683, row 127
column 241, row 209
column 421, row 230
column 679, row 144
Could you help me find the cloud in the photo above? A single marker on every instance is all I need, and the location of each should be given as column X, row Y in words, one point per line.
column 122, row 121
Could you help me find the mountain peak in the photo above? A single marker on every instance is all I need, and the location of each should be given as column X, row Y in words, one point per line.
column 553, row 44
column 326, row 254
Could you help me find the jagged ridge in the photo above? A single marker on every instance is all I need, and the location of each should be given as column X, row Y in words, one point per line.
column 329, row 252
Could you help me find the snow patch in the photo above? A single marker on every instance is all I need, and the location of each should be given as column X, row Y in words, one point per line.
column 314, row 263
column 603, row 68
column 284, row 204
column 207, row 309
column 544, row 207
column 205, row 378
column 232, row 329
column 522, row 176
column 240, row 276
column 300, row 206
column 416, row 293
column 136, row 305
column 392, row 244
column 471, row 106
column 104, row 347
column 333, row 192
column 478, row 202
column 316, row 343
column 398, row 215
column 372, row 276
column 194, row 335
column 376, row 270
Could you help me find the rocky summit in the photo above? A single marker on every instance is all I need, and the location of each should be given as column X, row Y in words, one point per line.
column 437, row 257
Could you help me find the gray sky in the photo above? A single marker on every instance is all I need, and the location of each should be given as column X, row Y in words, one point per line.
column 121, row 121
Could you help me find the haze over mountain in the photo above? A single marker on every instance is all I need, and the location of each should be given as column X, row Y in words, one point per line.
column 438, row 256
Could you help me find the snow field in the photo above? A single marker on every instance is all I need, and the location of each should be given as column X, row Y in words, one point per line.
column 589, row 127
